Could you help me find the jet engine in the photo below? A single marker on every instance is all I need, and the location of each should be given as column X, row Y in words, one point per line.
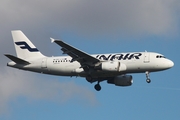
column 123, row 80
column 112, row 66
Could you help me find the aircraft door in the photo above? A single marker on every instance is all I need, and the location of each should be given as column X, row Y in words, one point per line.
column 146, row 57
column 44, row 63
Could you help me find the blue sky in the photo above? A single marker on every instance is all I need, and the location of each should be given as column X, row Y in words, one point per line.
column 94, row 27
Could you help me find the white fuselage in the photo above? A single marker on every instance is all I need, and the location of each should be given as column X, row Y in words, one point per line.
column 135, row 62
column 95, row 68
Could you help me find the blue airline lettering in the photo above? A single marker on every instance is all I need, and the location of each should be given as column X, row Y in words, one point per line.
column 127, row 56
column 135, row 55
column 104, row 57
column 24, row 45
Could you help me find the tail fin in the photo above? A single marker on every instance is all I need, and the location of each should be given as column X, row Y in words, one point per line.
column 24, row 48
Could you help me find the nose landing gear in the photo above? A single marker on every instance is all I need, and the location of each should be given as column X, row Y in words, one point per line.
column 148, row 80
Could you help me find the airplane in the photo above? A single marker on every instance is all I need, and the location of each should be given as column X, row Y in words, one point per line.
column 113, row 68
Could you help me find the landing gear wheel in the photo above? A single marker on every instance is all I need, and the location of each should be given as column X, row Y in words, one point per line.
column 97, row 87
column 148, row 80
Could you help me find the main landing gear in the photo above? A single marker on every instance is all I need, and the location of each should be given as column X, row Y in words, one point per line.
column 147, row 77
column 97, row 86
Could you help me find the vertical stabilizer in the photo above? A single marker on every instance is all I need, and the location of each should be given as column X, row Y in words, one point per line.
column 24, row 47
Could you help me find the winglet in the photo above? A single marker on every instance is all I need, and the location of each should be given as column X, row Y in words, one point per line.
column 52, row 40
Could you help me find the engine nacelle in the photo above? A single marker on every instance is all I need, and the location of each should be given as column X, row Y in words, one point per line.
column 123, row 80
column 113, row 66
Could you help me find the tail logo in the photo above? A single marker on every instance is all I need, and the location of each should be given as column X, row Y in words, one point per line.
column 24, row 45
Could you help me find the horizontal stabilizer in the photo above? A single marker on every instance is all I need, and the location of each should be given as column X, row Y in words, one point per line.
column 16, row 59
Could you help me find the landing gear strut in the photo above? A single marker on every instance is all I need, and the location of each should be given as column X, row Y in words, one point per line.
column 147, row 77
column 97, row 86
column 90, row 79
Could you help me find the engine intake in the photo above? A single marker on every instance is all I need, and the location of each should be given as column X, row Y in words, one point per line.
column 123, row 80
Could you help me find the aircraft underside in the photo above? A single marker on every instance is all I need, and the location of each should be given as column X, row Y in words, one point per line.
column 115, row 67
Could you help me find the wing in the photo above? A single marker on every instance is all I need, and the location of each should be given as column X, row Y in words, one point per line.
column 76, row 54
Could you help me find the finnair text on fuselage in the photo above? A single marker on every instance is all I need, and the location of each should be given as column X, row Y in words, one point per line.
column 120, row 56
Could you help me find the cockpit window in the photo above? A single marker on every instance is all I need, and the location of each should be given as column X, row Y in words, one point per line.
column 160, row 56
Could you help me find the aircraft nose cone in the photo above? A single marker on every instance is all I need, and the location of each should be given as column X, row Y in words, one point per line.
column 170, row 63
